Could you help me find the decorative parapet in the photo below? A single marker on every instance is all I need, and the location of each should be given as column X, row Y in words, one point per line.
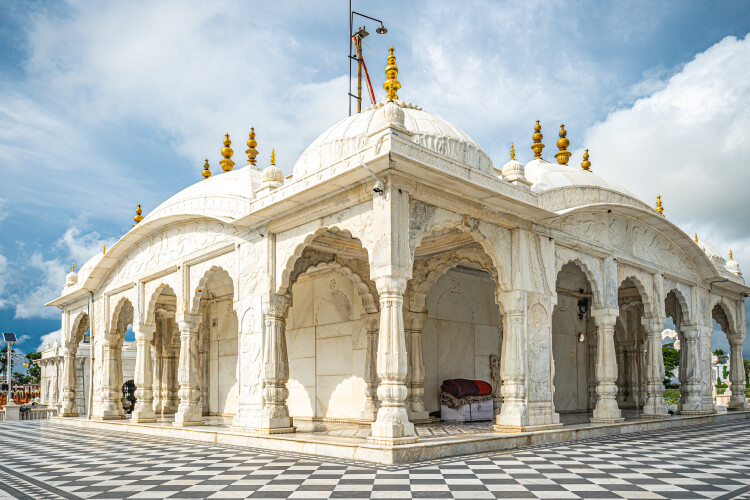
column 563, row 198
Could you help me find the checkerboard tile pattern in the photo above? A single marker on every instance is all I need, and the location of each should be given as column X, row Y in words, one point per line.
column 48, row 460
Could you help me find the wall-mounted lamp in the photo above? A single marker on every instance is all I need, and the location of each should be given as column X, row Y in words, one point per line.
column 583, row 307
column 379, row 183
column 581, row 338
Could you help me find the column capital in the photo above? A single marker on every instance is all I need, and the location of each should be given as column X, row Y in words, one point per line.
column 605, row 316
column 654, row 324
column 690, row 331
column 414, row 320
column 277, row 305
column 735, row 341
column 144, row 332
column 390, row 285
column 371, row 321
column 513, row 302
column 188, row 322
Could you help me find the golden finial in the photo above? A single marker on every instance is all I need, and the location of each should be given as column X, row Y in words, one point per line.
column 537, row 146
column 104, row 249
column 512, row 152
column 586, row 164
column 696, row 237
column 391, row 84
column 251, row 152
column 562, row 144
column 659, row 208
column 226, row 163
column 138, row 217
column 206, row 170
column 730, row 254
column 74, row 268
column 273, row 156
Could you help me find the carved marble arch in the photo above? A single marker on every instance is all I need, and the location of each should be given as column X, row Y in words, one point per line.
column 721, row 312
column 122, row 317
column 586, row 266
column 79, row 327
column 676, row 307
column 637, row 282
column 468, row 228
column 365, row 289
column 216, row 282
column 428, row 271
column 160, row 293
column 328, row 244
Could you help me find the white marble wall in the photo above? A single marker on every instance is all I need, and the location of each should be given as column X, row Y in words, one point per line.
column 326, row 346
column 462, row 330
column 222, row 358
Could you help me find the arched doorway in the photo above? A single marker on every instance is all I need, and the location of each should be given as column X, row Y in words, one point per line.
column 166, row 349
column 330, row 348
column 573, row 342
column 112, row 361
column 729, row 371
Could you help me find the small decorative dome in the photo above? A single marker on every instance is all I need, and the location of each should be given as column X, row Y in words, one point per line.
column 733, row 266
column 513, row 171
column 390, row 115
column 272, row 174
column 72, row 277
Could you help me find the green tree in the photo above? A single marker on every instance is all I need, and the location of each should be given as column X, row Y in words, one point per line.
column 35, row 371
column 720, row 355
column 746, row 362
column 671, row 361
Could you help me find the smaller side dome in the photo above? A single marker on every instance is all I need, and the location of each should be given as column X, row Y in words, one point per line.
column 71, row 278
column 514, row 171
column 733, row 266
column 272, row 174
column 390, row 115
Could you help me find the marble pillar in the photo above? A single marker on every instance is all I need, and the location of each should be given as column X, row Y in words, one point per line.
column 203, row 352
column 68, row 407
column 111, row 405
column 188, row 412
column 371, row 323
column 691, row 388
column 606, row 410
column 622, row 383
column 514, row 412
column 414, row 323
column 275, row 417
column 655, row 406
column 158, row 365
column 392, row 425
column 737, row 399
column 143, row 377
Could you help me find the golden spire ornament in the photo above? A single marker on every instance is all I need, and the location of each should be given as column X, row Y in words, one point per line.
column 391, row 84
column 696, row 237
column 74, row 267
column 206, row 170
column 537, row 147
column 730, row 254
column 659, row 207
column 251, row 152
column 512, row 152
column 226, row 163
column 138, row 217
column 586, row 164
column 563, row 155
column 273, row 157
column 104, row 249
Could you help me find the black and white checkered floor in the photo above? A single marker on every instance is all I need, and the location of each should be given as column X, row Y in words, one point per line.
column 48, row 460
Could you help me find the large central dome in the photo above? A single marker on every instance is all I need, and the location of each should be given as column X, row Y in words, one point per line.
column 427, row 130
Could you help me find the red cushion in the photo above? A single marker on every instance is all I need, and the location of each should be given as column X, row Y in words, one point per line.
column 484, row 387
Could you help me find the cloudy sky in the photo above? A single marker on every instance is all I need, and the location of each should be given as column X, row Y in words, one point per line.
column 104, row 105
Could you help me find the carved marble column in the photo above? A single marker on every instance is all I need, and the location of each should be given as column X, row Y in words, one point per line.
column 371, row 323
column 203, row 348
column 631, row 360
column 514, row 412
column 590, row 334
column 621, row 377
column 414, row 323
column 188, row 412
column 691, row 388
column 157, row 357
column 655, row 406
column 143, row 378
column 392, row 424
column 606, row 410
column 68, row 407
column 111, row 405
column 275, row 415
column 737, row 399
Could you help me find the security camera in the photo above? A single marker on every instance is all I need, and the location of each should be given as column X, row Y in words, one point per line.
column 379, row 183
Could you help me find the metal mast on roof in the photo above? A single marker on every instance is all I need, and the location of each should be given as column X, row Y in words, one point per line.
column 355, row 43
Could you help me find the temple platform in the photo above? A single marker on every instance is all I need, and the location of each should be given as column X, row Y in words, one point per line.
column 436, row 440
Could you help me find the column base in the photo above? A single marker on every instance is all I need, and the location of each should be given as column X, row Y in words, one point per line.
column 188, row 423
column 108, row 417
column 69, row 414
column 525, row 428
column 598, row 420
column 142, row 417
column 187, row 419
column 257, row 431
column 656, row 416
column 419, row 416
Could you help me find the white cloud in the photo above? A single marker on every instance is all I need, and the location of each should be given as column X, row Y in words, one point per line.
column 4, row 278
column 50, row 339
column 688, row 142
